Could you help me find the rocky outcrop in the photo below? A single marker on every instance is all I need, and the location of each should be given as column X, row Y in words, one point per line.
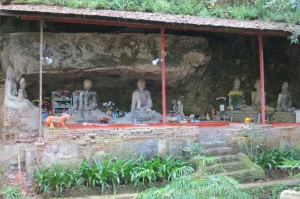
column 111, row 54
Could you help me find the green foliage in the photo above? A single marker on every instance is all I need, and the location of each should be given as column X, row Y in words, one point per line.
column 274, row 159
column 250, row 141
column 275, row 10
column 210, row 186
column 271, row 192
column 110, row 173
column 291, row 165
column 12, row 192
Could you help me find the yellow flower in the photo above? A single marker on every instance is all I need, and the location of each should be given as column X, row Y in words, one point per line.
column 235, row 93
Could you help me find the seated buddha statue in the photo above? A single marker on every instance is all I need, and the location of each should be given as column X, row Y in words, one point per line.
column 85, row 107
column 141, row 98
column 236, row 96
column 255, row 99
column 11, row 98
column 284, row 102
column 141, row 105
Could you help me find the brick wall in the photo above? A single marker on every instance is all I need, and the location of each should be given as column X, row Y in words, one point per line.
column 149, row 141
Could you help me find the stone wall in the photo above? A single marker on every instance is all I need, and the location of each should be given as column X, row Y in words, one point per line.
column 67, row 146
column 20, row 125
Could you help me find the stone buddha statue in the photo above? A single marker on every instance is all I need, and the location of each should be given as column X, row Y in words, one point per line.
column 141, row 105
column 255, row 95
column 85, row 107
column 87, row 99
column 11, row 98
column 179, row 109
column 22, row 92
column 255, row 99
column 141, row 99
column 236, row 96
column 284, row 102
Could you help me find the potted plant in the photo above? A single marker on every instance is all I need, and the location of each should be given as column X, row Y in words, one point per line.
column 221, row 102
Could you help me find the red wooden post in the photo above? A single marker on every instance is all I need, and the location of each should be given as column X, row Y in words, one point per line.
column 163, row 74
column 262, row 78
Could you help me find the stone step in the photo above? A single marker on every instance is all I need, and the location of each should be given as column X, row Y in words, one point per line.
column 255, row 185
column 226, row 167
column 213, row 144
column 242, row 175
column 227, row 158
column 217, row 151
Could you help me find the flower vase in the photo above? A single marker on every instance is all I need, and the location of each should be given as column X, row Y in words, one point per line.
column 108, row 113
column 222, row 107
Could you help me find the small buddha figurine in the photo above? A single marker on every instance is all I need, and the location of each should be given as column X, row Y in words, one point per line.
column 179, row 109
column 284, row 102
column 22, row 92
column 141, row 99
column 174, row 107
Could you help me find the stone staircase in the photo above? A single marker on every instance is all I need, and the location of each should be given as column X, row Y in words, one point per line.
column 230, row 162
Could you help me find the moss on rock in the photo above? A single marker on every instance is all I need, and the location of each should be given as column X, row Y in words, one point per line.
column 255, row 171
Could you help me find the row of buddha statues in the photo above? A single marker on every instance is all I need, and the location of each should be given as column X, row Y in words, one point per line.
column 284, row 101
column 85, row 101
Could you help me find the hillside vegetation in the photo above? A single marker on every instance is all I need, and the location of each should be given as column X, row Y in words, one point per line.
column 270, row 10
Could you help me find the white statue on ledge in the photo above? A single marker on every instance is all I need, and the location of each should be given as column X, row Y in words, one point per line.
column 11, row 99
column 141, row 99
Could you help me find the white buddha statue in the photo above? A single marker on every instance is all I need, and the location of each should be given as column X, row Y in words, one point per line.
column 141, row 99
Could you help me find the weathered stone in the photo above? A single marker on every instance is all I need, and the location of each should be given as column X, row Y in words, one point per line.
column 254, row 171
column 284, row 117
column 285, row 145
column 290, row 194
column 64, row 153
column 100, row 155
column 162, row 148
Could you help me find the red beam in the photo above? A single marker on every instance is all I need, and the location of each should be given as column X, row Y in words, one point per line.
column 110, row 23
column 31, row 18
column 163, row 74
column 262, row 78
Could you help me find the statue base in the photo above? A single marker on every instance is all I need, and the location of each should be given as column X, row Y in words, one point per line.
column 87, row 116
column 239, row 115
column 139, row 117
column 284, row 117
column 20, row 123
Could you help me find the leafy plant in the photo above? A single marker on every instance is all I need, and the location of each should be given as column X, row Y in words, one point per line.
column 291, row 165
column 210, row 186
column 11, row 192
column 110, row 173
column 274, row 159
column 250, row 141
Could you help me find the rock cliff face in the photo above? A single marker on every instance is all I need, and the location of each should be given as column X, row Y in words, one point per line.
column 111, row 61
column 116, row 53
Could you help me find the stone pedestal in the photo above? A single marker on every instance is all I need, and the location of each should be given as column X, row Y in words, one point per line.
column 297, row 112
column 239, row 115
column 20, row 124
column 284, row 117
column 87, row 116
